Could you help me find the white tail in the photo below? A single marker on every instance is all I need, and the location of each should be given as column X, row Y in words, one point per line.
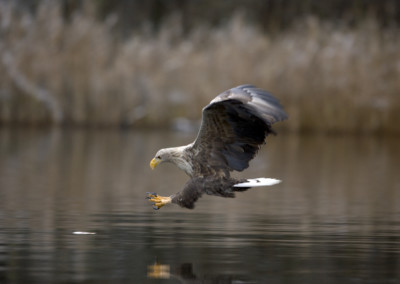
column 258, row 182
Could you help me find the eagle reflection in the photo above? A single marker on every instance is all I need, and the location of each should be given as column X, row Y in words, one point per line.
column 185, row 273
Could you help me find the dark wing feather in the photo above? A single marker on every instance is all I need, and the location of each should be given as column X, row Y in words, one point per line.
column 234, row 126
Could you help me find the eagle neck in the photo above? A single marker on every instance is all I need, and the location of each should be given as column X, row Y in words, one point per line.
column 181, row 158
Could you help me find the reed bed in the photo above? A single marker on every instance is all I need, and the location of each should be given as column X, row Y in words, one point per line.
column 80, row 72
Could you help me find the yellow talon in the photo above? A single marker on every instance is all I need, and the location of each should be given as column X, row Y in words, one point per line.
column 159, row 201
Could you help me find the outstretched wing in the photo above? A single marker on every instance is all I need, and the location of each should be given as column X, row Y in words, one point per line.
column 234, row 126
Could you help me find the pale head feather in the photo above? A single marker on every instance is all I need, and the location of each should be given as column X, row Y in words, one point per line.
column 177, row 156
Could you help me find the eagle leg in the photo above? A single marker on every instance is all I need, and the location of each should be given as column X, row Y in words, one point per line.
column 159, row 201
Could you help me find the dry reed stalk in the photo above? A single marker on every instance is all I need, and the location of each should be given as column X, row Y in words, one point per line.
column 331, row 79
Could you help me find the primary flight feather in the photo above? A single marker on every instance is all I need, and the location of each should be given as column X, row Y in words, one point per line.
column 234, row 126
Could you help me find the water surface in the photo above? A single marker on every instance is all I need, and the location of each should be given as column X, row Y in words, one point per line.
column 335, row 217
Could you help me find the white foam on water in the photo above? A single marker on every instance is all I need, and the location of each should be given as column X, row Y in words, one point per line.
column 83, row 233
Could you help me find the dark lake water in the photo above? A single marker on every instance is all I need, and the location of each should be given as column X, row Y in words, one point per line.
column 335, row 218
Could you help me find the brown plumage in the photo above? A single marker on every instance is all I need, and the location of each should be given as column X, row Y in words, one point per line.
column 234, row 126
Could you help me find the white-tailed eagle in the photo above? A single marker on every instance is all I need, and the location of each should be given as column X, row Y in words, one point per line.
column 234, row 126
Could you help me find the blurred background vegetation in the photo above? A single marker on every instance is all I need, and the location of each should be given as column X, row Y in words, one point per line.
column 335, row 65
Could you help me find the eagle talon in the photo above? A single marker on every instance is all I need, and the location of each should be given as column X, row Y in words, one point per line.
column 159, row 201
column 151, row 195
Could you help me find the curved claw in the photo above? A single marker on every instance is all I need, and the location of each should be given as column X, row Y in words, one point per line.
column 151, row 195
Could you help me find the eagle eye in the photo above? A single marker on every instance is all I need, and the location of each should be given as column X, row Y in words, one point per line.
column 158, row 157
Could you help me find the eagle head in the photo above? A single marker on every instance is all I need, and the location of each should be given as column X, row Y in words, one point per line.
column 175, row 155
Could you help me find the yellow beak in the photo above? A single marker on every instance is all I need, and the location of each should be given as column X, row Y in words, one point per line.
column 154, row 163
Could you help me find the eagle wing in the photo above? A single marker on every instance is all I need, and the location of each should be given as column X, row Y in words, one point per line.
column 234, row 126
